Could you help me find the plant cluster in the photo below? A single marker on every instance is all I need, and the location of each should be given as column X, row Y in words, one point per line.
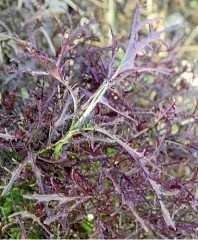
column 98, row 146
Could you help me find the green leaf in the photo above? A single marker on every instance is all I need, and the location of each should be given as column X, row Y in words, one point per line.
column 7, row 208
column 84, row 165
column 193, row 3
column 87, row 226
column 150, row 196
column 108, row 183
column 144, row 207
column 111, row 152
column 28, row 166
column 57, row 150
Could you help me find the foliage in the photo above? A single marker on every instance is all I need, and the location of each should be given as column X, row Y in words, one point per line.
column 92, row 160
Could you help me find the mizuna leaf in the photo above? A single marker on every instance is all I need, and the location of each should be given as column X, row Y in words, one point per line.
column 15, row 175
column 161, row 70
column 167, row 218
column 26, row 214
column 37, row 171
column 7, row 136
column 105, row 102
column 49, row 220
column 135, row 46
column 138, row 156
column 158, row 189
column 53, row 197
column 139, row 219
column 125, row 201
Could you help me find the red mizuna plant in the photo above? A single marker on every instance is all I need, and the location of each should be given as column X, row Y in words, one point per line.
column 91, row 151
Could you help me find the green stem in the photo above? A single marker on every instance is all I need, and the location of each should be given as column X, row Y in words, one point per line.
column 76, row 128
column 96, row 98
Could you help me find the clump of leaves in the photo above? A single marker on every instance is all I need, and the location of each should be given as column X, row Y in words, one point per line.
column 100, row 164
